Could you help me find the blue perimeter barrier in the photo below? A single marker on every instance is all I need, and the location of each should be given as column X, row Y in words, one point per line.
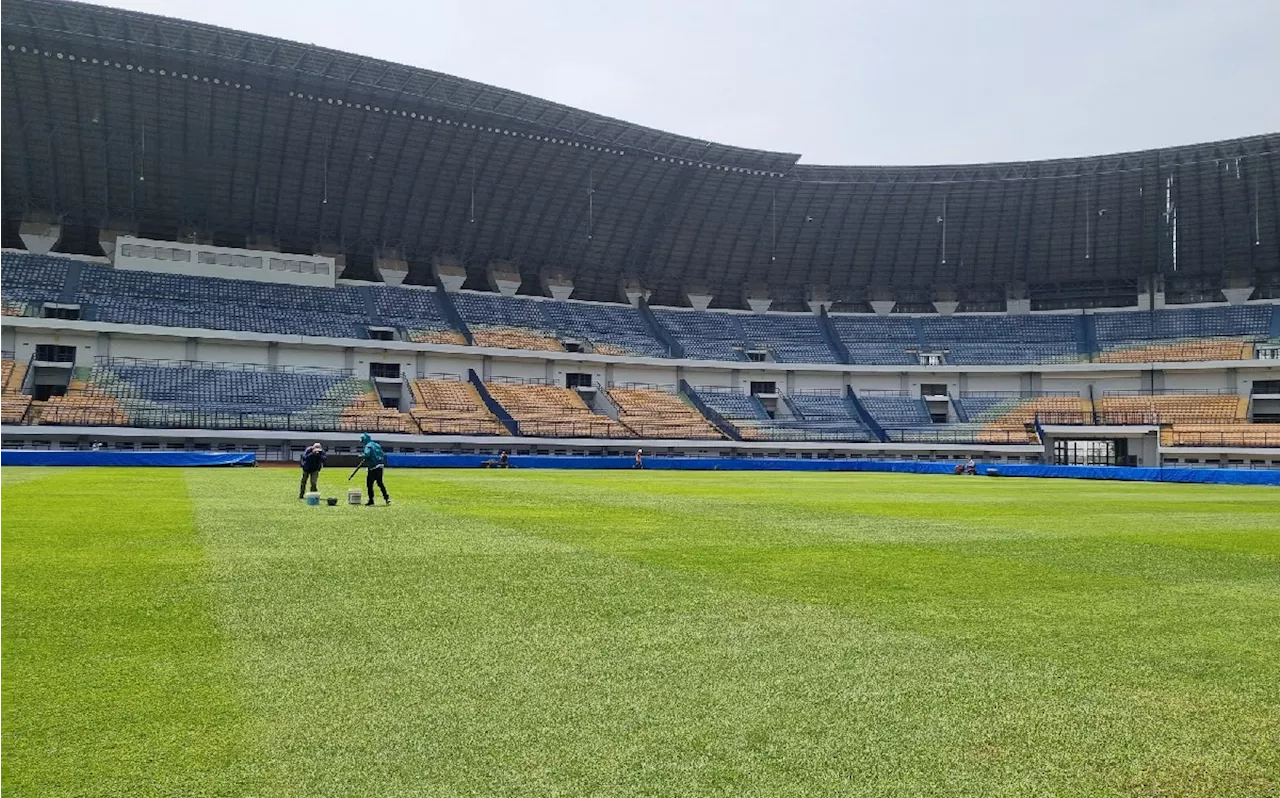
column 1219, row 476
column 30, row 457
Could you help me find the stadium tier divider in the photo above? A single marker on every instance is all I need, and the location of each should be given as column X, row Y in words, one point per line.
column 658, row 331
column 721, row 423
column 451, row 312
column 833, row 337
column 865, row 415
column 494, row 406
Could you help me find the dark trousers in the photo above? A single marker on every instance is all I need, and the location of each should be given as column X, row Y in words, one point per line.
column 374, row 476
column 303, row 486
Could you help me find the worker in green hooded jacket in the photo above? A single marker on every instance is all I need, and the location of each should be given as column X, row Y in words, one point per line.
column 375, row 461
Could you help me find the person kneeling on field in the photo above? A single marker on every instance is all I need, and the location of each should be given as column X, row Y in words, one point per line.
column 374, row 461
column 312, row 462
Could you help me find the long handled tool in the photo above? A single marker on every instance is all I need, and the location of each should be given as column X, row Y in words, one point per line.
column 357, row 471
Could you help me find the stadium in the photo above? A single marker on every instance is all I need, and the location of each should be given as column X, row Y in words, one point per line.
column 731, row 394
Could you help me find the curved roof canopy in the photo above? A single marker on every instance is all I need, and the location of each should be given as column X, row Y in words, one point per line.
column 136, row 122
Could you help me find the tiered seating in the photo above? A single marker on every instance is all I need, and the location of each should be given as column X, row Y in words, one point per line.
column 653, row 413
column 365, row 413
column 138, row 297
column 878, row 339
column 523, row 323
column 418, row 312
column 704, row 335
column 1241, row 434
column 1172, row 409
column 82, row 405
column 1011, row 419
column 549, row 411
column 506, row 338
column 1179, row 351
column 1181, row 334
column 897, row 411
column 14, row 307
column 994, row 340
column 829, row 415
column 609, row 329
column 451, row 407
column 13, row 403
column 29, row 278
column 791, row 338
column 213, row 396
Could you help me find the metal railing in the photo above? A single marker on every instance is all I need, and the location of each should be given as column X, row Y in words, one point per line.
column 976, row 436
column 1175, row 392
column 1016, row 394
column 170, row 418
column 215, row 365
column 1246, row 438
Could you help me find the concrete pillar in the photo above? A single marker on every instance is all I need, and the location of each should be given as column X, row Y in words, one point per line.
column 558, row 284
column 1238, row 296
column 39, row 237
column 882, row 306
column 392, row 268
column 759, row 297
column 699, row 295
column 1017, row 307
column 945, row 308
column 505, row 277
column 819, row 298
column 449, row 271
column 634, row 291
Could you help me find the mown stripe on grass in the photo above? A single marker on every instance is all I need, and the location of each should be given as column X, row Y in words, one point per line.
column 1122, row 629
column 424, row 650
column 116, row 681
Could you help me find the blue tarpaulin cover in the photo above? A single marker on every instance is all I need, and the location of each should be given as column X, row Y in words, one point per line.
column 30, row 457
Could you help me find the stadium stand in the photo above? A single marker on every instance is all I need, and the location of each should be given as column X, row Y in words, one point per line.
column 366, row 413
column 187, row 395
column 28, row 278
column 896, row 410
column 1171, row 408
column 451, row 406
column 875, row 340
column 1181, row 334
column 704, row 335
column 14, row 403
column 1005, row 418
column 829, row 415
column 656, row 413
column 549, row 411
column 997, row 340
column 135, row 297
column 752, row 420
column 418, row 312
column 522, row 323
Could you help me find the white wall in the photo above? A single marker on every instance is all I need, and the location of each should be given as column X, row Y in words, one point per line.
column 220, row 352
column 405, row 359
column 876, row 382
column 811, row 381
column 25, row 342
column 517, row 368
column 647, row 374
column 438, row 364
column 316, row 357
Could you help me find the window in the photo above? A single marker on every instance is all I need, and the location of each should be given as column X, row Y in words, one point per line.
column 931, row 359
column 1268, row 352
column 382, row 333
column 1266, row 386
column 759, row 387
column 208, row 258
column 757, row 355
column 933, row 389
column 53, row 353
column 180, row 255
column 578, row 380
column 69, row 313
column 384, row 371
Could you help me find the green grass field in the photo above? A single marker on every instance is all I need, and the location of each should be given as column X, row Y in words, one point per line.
column 200, row 633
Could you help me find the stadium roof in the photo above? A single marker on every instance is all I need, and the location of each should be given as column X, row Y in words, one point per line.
column 136, row 122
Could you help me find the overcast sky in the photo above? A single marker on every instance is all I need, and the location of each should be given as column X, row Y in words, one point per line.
column 838, row 81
